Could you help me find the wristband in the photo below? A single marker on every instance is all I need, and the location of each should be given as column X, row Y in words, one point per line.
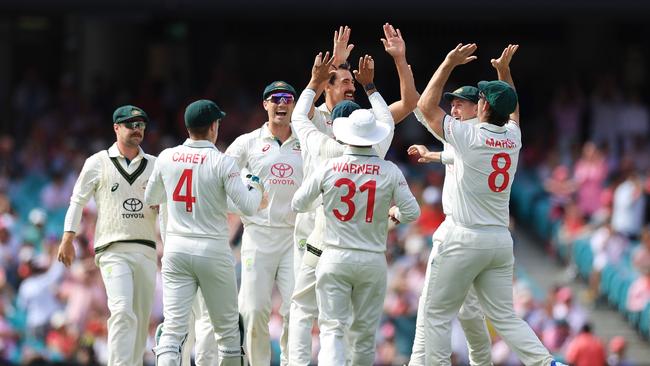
column 369, row 86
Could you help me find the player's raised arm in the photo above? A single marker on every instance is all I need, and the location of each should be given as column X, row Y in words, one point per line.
column 342, row 48
column 429, row 103
column 365, row 75
column 502, row 65
column 396, row 47
column 303, row 199
column 313, row 140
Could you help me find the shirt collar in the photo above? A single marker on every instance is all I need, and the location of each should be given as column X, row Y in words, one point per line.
column 492, row 128
column 473, row 121
column 114, row 152
column 265, row 132
column 323, row 108
column 198, row 143
column 354, row 150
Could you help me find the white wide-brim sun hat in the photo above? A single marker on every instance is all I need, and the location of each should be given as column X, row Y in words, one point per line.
column 360, row 129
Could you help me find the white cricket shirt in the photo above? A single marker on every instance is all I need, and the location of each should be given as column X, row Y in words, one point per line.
column 357, row 190
column 447, row 158
column 318, row 146
column 485, row 164
column 195, row 180
column 279, row 167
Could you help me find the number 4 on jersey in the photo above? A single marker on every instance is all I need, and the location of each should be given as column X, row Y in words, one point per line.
column 185, row 181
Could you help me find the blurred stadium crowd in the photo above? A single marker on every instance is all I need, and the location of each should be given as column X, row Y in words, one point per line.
column 583, row 188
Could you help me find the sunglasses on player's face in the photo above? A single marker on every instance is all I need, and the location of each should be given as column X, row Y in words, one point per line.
column 135, row 125
column 279, row 98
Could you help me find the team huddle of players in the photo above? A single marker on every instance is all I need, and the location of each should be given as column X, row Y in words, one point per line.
column 316, row 198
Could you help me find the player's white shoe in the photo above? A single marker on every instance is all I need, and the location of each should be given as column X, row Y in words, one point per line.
column 557, row 363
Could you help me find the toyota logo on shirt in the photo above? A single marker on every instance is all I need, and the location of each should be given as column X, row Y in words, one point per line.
column 281, row 170
column 132, row 205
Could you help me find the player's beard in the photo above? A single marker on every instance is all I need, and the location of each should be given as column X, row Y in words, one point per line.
column 134, row 139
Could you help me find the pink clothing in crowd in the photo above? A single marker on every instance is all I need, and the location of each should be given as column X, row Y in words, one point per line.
column 586, row 350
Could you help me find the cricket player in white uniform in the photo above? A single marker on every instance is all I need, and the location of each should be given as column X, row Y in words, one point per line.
column 464, row 108
column 478, row 247
column 273, row 153
column 125, row 246
column 195, row 180
column 357, row 190
column 317, row 147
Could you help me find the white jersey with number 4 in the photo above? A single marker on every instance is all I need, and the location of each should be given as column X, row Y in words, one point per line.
column 195, row 179
column 485, row 162
column 357, row 190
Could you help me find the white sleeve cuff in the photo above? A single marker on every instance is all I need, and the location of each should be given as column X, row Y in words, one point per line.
column 73, row 217
column 446, row 157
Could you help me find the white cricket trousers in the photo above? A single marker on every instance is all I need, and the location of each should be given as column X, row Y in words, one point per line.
column 482, row 257
column 201, row 336
column 129, row 274
column 183, row 274
column 267, row 258
column 349, row 282
column 470, row 316
column 304, row 310
column 303, row 313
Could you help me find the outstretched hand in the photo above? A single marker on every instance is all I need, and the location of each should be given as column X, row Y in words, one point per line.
column 341, row 48
column 462, row 54
column 425, row 156
column 365, row 74
column 323, row 68
column 393, row 43
column 503, row 62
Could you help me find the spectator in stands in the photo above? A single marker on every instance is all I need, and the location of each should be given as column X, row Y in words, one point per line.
column 586, row 349
column 638, row 295
column 629, row 204
column 561, row 187
column 36, row 294
column 565, row 308
column 8, row 335
column 590, row 174
column 9, row 247
column 61, row 341
column 616, row 356
column 55, row 194
column 81, row 291
column 607, row 247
